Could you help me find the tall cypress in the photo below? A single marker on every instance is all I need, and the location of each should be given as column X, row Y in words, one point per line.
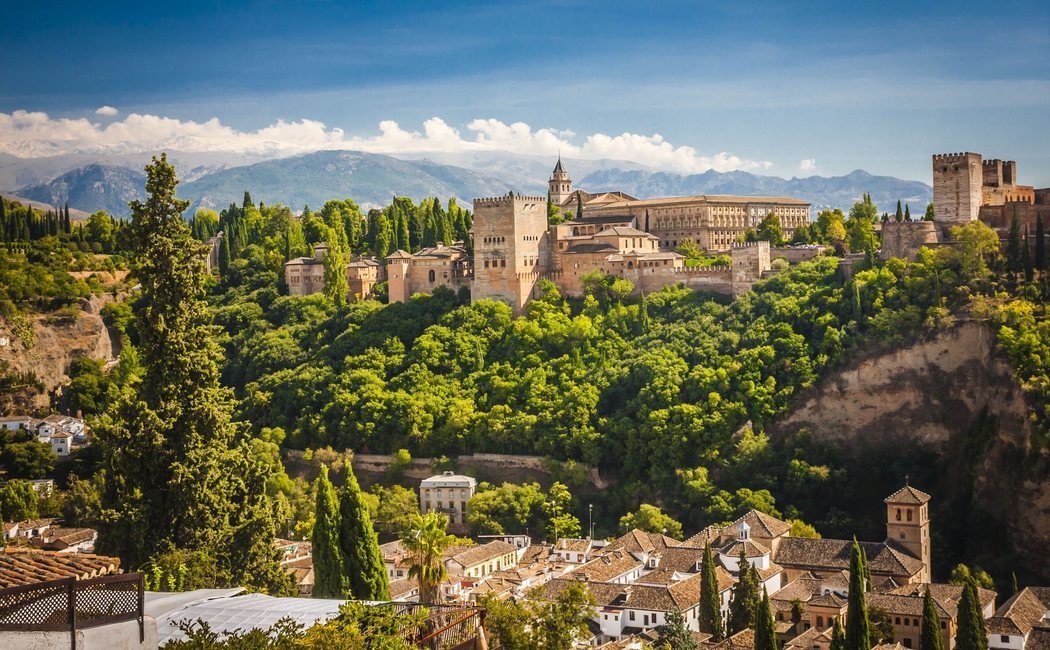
column 363, row 570
column 907, row 212
column 838, row 638
column 179, row 471
column 1027, row 265
column 972, row 633
column 744, row 600
column 765, row 630
column 858, row 635
column 931, row 625
column 899, row 214
column 224, row 256
column 1013, row 247
column 1040, row 244
column 328, row 560
column 579, row 206
column 710, row 604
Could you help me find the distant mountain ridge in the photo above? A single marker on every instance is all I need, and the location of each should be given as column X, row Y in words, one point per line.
column 836, row 191
column 372, row 179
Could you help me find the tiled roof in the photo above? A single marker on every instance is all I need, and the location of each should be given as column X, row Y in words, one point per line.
column 762, row 525
column 742, row 640
column 399, row 588
column 638, row 541
column 1023, row 611
column 809, row 638
column 823, row 554
column 625, row 231
column 606, row 568
column 703, row 538
column 1039, row 639
column 683, row 595
column 574, row 545
column 750, row 548
column 399, row 254
column 21, row 566
column 945, row 596
column 64, row 537
column 483, row 553
column 909, row 496
column 590, row 247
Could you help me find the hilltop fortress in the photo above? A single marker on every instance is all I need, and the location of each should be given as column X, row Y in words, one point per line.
column 610, row 232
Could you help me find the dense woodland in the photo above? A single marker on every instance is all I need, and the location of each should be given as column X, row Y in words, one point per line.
column 669, row 396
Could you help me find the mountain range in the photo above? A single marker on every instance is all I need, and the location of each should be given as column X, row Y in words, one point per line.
column 211, row 180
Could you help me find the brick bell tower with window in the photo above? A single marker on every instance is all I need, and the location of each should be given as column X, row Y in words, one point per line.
column 908, row 525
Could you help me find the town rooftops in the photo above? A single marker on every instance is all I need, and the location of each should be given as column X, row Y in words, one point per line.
column 483, row 553
column 399, row 255
column 1021, row 613
column 682, row 595
column 624, row 231
column 909, row 496
column 945, row 596
column 607, row 567
column 807, row 553
column 639, row 541
column 573, row 545
column 22, row 566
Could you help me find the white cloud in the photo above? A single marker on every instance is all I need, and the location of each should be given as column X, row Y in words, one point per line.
column 106, row 111
column 807, row 165
column 35, row 134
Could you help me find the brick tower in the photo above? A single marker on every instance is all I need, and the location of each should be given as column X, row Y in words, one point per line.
column 908, row 524
column 957, row 181
column 510, row 248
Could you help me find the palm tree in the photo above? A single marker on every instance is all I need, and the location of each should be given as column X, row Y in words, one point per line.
column 426, row 541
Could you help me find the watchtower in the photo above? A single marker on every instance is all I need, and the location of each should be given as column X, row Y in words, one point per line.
column 510, row 248
column 908, row 524
column 957, row 181
column 559, row 185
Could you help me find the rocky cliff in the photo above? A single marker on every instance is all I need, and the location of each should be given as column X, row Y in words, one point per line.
column 59, row 339
column 929, row 398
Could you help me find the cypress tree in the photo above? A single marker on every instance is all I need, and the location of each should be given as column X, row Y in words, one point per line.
column 838, row 639
column 224, row 256
column 363, row 569
column 744, row 600
column 930, row 213
column 710, row 605
column 180, row 473
column 765, row 630
column 1040, row 244
column 907, row 212
column 1013, row 247
column 5, row 226
column 247, row 202
column 1026, row 259
column 858, row 636
column 867, row 570
column 579, row 206
column 931, row 625
column 971, row 634
column 899, row 214
column 328, row 560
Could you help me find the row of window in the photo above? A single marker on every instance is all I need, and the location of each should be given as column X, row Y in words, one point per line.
column 496, row 264
column 451, row 492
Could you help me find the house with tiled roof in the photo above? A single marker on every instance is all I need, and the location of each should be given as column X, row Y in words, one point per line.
column 482, row 560
column 1022, row 622
column 66, row 540
column 617, row 566
column 904, row 606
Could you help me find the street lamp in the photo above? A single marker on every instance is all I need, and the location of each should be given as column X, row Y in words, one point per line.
column 590, row 521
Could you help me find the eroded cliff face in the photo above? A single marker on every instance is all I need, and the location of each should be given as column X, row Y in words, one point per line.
column 58, row 341
column 929, row 395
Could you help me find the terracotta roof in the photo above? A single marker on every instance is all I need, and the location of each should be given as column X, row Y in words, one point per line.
column 824, row 554
column 762, row 525
column 683, row 594
column 399, row 254
column 606, row 568
column 61, row 538
column 624, row 231
column 638, row 541
column 483, row 553
column 703, row 538
column 809, row 638
column 1018, row 615
column 742, row 640
column 1039, row 639
column 402, row 587
column 751, row 549
column 945, row 596
column 574, row 545
column 909, row 496
column 21, row 566
column 590, row 247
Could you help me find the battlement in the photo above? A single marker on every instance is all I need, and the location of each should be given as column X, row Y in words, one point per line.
column 508, row 200
column 995, row 162
column 747, row 244
column 955, row 157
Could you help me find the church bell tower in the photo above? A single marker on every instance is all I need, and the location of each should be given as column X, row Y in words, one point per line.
column 559, row 185
column 908, row 524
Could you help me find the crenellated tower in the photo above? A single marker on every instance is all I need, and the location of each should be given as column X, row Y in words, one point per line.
column 957, row 181
column 511, row 244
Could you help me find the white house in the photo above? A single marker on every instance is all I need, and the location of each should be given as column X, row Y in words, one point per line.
column 448, row 493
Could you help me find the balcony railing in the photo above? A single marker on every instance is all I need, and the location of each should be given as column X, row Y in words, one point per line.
column 71, row 604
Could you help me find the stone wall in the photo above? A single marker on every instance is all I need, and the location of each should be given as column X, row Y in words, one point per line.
column 797, row 255
column 903, row 239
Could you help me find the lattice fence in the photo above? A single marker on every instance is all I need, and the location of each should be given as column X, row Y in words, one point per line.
column 70, row 604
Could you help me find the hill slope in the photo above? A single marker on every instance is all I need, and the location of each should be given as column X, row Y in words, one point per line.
column 835, row 191
column 91, row 188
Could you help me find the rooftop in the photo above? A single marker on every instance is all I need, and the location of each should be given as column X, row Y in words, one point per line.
column 22, row 566
column 909, row 496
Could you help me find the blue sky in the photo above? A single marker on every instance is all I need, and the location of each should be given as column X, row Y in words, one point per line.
column 876, row 85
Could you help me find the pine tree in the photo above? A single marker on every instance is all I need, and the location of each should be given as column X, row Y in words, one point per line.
column 1040, row 244
column 971, row 633
column 180, row 474
column 765, row 629
column 931, row 625
column 744, row 599
column 363, row 570
column 930, row 214
column 327, row 558
column 858, row 636
column 838, row 639
column 899, row 214
column 710, row 603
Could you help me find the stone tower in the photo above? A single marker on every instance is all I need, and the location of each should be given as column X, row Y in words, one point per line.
column 559, row 185
column 908, row 524
column 957, row 181
column 510, row 248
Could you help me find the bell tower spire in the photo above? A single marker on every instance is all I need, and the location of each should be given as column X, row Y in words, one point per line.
column 559, row 185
